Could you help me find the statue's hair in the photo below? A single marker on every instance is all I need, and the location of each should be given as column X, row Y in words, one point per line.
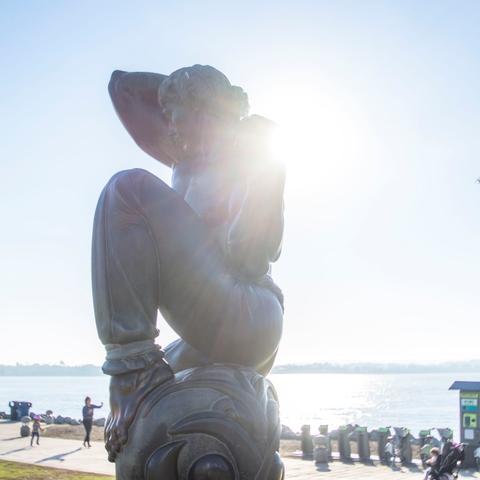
column 207, row 89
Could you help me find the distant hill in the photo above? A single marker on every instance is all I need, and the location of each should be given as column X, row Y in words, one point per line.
column 49, row 370
column 446, row 367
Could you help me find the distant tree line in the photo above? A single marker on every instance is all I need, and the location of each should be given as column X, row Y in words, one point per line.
column 326, row 367
column 446, row 367
column 19, row 370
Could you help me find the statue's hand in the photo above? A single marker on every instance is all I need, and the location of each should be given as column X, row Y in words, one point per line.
column 254, row 139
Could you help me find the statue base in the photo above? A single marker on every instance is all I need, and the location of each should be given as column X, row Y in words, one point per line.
column 218, row 422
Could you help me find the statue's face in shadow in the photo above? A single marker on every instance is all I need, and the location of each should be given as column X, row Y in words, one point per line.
column 195, row 132
column 185, row 126
column 202, row 109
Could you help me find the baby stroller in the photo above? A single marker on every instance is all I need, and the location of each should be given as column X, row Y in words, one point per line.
column 447, row 464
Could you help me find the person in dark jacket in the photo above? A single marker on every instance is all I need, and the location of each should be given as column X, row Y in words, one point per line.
column 36, row 429
column 87, row 413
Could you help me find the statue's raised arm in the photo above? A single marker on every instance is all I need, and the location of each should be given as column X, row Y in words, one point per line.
column 254, row 237
column 135, row 98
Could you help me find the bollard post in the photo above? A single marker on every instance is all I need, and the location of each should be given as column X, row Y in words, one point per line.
column 322, row 452
column 307, row 443
column 344, row 444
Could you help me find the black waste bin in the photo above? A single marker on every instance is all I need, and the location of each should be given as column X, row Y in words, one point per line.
column 405, row 444
column 307, row 442
column 19, row 409
column 344, row 443
column 423, row 435
column 382, row 435
column 363, row 443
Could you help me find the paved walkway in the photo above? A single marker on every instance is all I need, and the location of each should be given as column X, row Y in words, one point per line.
column 305, row 470
column 70, row 455
column 53, row 452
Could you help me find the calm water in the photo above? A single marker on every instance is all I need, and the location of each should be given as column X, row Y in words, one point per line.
column 414, row 400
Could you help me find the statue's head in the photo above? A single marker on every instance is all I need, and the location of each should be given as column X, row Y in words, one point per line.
column 201, row 106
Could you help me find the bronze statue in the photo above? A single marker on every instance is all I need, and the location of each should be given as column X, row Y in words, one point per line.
column 200, row 252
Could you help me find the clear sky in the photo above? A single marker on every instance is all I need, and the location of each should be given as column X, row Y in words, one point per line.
column 379, row 108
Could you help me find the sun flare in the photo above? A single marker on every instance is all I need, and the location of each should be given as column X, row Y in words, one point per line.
column 316, row 132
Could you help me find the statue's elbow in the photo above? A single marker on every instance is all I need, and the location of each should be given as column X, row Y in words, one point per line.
column 113, row 84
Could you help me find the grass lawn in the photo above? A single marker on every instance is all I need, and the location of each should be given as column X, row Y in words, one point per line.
column 23, row 471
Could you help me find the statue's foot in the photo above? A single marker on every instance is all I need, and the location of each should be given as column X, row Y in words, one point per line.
column 127, row 391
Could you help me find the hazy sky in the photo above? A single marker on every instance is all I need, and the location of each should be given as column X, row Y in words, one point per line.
column 379, row 107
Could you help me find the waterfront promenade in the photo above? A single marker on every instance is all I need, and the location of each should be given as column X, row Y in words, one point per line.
column 70, row 455
column 52, row 452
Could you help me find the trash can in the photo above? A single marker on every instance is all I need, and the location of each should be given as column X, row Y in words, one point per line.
column 323, row 430
column 446, row 437
column 307, row 443
column 322, row 451
column 360, row 434
column 344, row 444
column 19, row 409
column 405, row 444
column 423, row 435
column 382, row 435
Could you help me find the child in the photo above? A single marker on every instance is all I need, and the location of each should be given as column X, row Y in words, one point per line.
column 36, row 429
column 426, row 451
column 432, row 462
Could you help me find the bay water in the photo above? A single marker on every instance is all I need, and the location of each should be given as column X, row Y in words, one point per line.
column 417, row 401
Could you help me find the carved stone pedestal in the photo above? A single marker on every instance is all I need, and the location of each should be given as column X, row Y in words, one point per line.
column 214, row 422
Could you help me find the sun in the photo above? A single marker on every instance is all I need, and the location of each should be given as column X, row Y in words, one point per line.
column 318, row 134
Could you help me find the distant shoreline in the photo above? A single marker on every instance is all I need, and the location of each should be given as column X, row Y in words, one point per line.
column 50, row 371
column 359, row 368
column 472, row 366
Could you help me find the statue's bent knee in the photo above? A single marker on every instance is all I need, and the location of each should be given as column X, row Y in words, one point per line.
column 126, row 181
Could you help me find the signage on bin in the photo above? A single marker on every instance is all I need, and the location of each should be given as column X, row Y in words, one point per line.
column 469, row 404
column 468, row 394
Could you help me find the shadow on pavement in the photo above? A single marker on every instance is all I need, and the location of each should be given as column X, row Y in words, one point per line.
column 413, row 467
column 467, row 473
column 59, row 457
column 14, row 451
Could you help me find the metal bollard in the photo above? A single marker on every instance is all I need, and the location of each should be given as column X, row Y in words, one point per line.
column 323, row 449
column 344, row 444
column 405, row 445
column 381, row 436
column 363, row 443
column 307, row 443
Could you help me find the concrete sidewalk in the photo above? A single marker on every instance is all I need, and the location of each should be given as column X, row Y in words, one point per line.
column 53, row 452
column 70, row 455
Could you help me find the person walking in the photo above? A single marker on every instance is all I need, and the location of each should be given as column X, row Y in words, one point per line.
column 36, row 429
column 87, row 413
